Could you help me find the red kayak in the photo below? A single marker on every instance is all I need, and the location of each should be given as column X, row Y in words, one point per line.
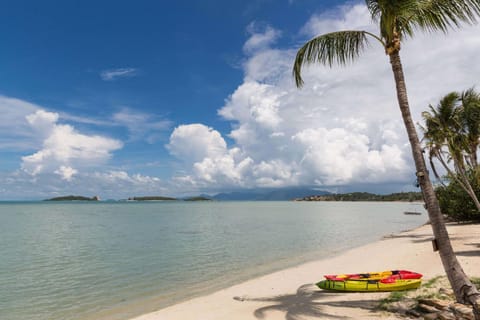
column 385, row 276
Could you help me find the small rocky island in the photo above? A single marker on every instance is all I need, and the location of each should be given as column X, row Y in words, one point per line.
column 74, row 198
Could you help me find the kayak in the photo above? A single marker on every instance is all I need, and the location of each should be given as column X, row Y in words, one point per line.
column 391, row 274
column 388, row 284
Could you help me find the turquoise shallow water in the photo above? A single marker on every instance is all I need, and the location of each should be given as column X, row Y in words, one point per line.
column 61, row 261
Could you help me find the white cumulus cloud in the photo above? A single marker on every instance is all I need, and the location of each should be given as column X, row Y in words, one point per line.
column 195, row 142
column 57, row 158
column 63, row 147
column 342, row 128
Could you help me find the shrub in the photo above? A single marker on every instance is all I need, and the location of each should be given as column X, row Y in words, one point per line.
column 456, row 203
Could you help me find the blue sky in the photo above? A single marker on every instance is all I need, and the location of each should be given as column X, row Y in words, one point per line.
column 123, row 98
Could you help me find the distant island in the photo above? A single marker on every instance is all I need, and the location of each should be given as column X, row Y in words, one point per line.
column 365, row 196
column 74, row 198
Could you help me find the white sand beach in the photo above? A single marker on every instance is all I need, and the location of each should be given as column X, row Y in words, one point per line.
column 291, row 293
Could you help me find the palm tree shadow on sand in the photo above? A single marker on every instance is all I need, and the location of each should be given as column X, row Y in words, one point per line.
column 307, row 302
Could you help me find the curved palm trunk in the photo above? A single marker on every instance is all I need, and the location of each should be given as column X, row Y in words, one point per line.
column 465, row 291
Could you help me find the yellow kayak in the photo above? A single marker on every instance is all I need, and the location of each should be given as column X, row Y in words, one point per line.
column 370, row 285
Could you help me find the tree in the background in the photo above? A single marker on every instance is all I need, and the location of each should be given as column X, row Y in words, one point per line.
column 397, row 20
column 470, row 117
column 455, row 203
column 440, row 124
column 451, row 134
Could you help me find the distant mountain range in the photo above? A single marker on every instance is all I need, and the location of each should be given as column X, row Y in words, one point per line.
column 268, row 195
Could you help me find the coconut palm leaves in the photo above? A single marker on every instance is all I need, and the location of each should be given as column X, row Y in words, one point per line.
column 332, row 48
column 397, row 20
column 440, row 123
column 444, row 14
column 443, row 129
column 452, row 133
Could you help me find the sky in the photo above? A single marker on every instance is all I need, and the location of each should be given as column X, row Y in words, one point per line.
column 133, row 98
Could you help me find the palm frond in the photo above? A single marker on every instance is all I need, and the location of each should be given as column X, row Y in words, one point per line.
column 444, row 14
column 470, row 97
column 375, row 9
column 328, row 49
column 447, row 109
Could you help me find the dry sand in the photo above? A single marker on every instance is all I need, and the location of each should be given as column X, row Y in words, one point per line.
column 291, row 294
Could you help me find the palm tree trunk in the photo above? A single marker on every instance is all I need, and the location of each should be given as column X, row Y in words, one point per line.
column 465, row 291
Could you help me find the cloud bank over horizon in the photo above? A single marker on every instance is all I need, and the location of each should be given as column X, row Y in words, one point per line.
column 59, row 159
column 343, row 128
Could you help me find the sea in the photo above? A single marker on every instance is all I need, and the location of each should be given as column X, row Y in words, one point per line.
column 100, row 260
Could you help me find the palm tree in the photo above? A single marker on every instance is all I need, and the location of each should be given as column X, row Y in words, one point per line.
column 454, row 123
column 435, row 132
column 396, row 21
column 470, row 118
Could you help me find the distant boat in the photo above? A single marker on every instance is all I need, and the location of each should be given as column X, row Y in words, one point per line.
column 412, row 212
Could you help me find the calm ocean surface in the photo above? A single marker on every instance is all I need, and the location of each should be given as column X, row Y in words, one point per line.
column 61, row 261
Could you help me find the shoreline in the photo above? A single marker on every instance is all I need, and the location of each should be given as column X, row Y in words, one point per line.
column 291, row 292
